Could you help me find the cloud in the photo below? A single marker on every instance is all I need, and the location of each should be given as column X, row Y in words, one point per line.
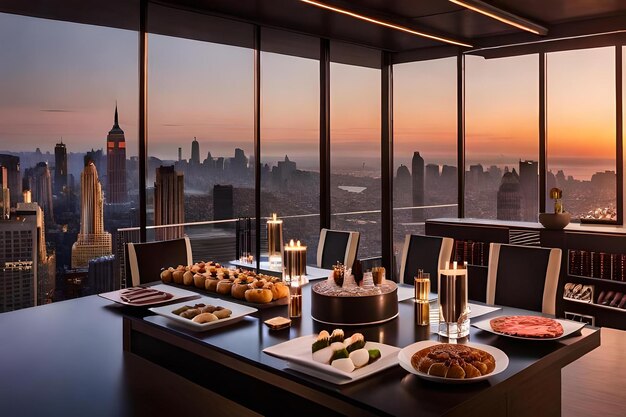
column 57, row 111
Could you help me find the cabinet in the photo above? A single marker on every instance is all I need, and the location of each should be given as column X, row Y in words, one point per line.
column 591, row 256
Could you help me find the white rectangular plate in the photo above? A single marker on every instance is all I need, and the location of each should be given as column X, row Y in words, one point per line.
column 239, row 312
column 569, row 327
column 298, row 353
column 178, row 294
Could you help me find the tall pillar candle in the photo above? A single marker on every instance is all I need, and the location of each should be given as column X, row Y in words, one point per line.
column 295, row 261
column 275, row 242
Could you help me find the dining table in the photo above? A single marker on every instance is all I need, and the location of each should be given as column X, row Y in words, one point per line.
column 269, row 385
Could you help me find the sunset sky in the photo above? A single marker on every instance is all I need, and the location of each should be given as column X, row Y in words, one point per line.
column 63, row 79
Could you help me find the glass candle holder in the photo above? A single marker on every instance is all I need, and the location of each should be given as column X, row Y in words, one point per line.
column 452, row 303
column 295, row 262
column 295, row 299
column 275, row 242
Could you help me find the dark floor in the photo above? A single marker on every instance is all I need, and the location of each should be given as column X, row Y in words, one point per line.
column 595, row 385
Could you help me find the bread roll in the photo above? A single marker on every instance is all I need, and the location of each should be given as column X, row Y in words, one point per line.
column 258, row 295
column 211, row 284
column 198, row 280
column 188, row 278
column 177, row 276
column 239, row 289
column 279, row 290
column 166, row 275
column 224, row 287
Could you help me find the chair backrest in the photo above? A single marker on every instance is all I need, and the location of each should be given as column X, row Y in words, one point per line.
column 523, row 277
column 429, row 253
column 337, row 245
column 147, row 259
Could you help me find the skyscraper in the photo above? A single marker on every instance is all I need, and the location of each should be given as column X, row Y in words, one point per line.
column 529, row 188
column 509, row 205
column 417, row 168
column 222, row 202
column 169, row 202
column 93, row 241
column 5, row 197
column 116, row 164
column 195, row 152
column 39, row 182
column 12, row 164
column 60, row 168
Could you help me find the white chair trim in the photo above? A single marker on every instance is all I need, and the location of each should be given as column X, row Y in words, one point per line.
column 320, row 247
column 445, row 254
column 551, row 282
column 134, row 265
column 189, row 253
column 405, row 254
column 492, row 272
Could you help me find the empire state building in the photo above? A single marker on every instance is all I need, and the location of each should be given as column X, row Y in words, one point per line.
column 93, row 241
column 116, row 164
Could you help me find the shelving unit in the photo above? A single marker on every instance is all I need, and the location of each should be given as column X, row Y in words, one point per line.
column 605, row 240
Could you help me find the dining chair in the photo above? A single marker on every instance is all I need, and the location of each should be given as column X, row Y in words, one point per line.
column 147, row 259
column 523, row 277
column 337, row 246
column 428, row 253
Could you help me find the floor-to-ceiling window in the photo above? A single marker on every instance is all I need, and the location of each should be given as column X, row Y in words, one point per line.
column 581, row 131
column 200, row 135
column 425, row 143
column 502, row 137
column 68, row 106
column 290, row 179
column 355, row 148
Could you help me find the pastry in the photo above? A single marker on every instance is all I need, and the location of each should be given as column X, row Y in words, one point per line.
column 166, row 275
column 239, row 288
column 279, row 290
column 177, row 276
column 211, row 284
column 258, row 295
column 453, row 361
column 205, row 318
column 223, row 313
column 224, row 286
column 198, row 280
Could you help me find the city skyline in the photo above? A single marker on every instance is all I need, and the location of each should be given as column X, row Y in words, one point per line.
column 71, row 101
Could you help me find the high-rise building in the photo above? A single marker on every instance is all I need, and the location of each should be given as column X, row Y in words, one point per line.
column 18, row 264
column 509, row 203
column 45, row 261
column 116, row 164
column 283, row 172
column 27, row 272
column 195, row 152
column 417, row 168
column 529, row 188
column 93, row 241
column 169, row 202
column 402, row 186
column 60, row 168
column 39, row 181
column 222, row 202
column 14, row 180
column 432, row 176
column 5, row 196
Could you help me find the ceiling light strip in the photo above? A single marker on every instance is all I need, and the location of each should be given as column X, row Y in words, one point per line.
column 386, row 24
column 502, row 15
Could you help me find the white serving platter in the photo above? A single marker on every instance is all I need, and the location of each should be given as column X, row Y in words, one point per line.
column 298, row 354
column 569, row 327
column 405, row 355
column 238, row 313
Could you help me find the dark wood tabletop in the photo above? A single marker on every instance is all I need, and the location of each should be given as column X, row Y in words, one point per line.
column 67, row 359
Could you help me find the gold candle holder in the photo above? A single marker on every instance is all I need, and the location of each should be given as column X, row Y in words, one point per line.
column 422, row 292
column 275, row 242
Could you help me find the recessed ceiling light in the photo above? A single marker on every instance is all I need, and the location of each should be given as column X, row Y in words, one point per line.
column 502, row 15
column 386, row 24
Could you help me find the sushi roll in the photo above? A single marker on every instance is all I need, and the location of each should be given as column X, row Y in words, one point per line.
column 322, row 341
column 337, row 336
column 355, row 342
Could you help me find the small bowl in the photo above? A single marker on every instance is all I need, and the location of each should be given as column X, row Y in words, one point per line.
column 554, row 221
